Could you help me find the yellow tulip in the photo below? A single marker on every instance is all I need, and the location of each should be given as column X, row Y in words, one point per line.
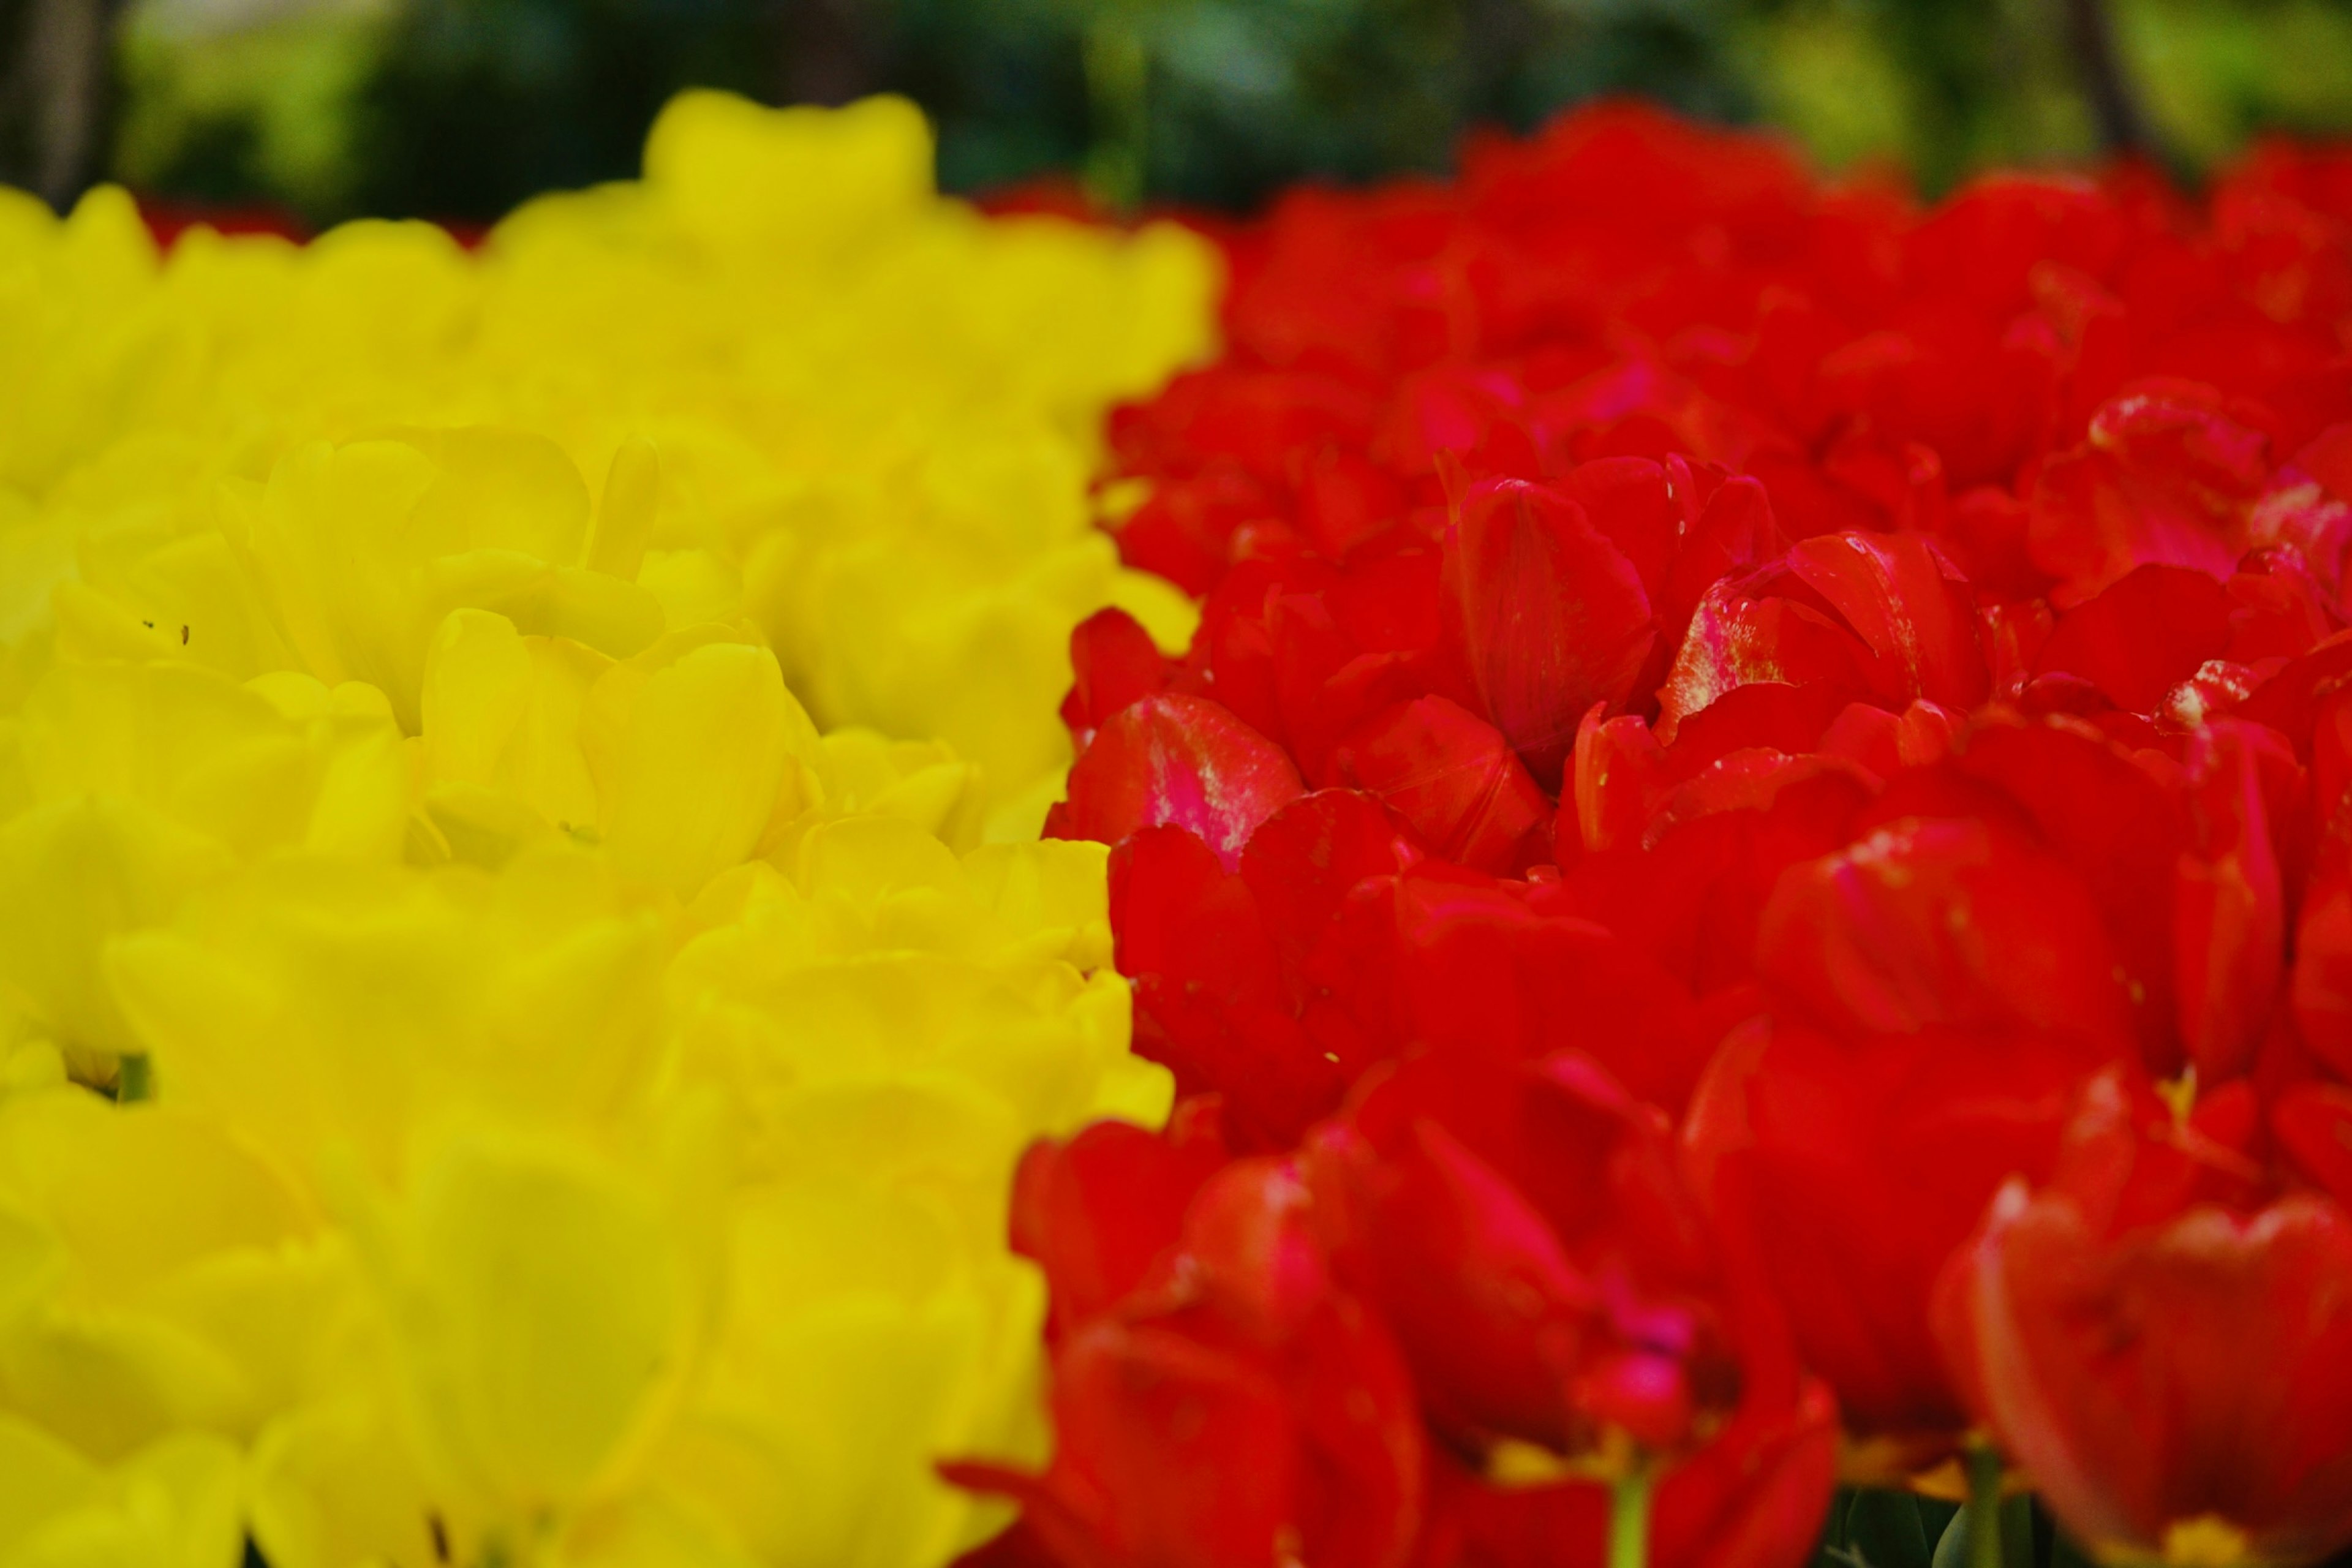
column 173, row 1505
column 158, row 1275
column 524, row 976
column 317, row 1005
column 138, row 784
column 779, row 377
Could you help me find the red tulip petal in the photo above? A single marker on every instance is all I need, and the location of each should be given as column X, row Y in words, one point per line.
column 2313, row 1122
column 2142, row 635
column 1096, row 1211
column 2166, row 477
column 1908, row 607
column 1452, row 777
column 1744, row 633
column 2229, row 931
column 1116, row 663
column 1943, row 924
column 1551, row 617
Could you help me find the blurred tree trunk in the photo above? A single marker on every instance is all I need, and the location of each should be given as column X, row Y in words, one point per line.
column 57, row 71
column 1118, row 61
column 1497, row 36
column 826, row 55
column 2091, row 37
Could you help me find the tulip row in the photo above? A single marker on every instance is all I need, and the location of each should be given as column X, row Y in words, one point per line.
column 1746, row 882
column 525, row 965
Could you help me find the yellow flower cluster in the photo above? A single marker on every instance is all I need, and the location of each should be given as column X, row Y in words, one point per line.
column 521, row 985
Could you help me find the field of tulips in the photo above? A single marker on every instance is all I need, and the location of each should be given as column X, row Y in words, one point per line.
column 1690, row 904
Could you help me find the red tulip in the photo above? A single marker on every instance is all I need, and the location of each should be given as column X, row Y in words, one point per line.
column 1523, row 1230
column 1098, row 1212
column 1848, row 674
column 1754, row 1497
column 1552, row 616
column 1233, row 1410
column 1939, row 990
column 2161, row 1348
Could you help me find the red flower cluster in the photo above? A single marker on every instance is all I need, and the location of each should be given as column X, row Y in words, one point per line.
column 1758, row 812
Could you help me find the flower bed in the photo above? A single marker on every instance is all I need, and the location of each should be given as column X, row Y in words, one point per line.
column 514, row 777
column 1745, row 882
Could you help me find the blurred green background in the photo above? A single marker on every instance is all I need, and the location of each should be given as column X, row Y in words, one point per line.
column 456, row 109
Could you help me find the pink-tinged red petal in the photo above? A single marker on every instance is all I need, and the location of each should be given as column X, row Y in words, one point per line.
column 1524, row 1230
column 1182, row 762
column 2278, row 609
column 2308, row 508
column 1908, row 606
column 1747, row 630
column 2230, row 918
column 2166, row 477
column 1489, row 1310
column 1735, row 529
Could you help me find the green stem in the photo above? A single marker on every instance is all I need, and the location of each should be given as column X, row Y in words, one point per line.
column 1629, row 1518
column 133, row 1079
column 1984, row 1506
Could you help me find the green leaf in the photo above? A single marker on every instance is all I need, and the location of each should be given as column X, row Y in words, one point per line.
column 1952, row 1548
column 2019, row 1545
column 2065, row 1553
column 1886, row 1530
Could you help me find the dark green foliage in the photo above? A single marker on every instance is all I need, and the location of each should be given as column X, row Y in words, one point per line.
column 476, row 103
column 1869, row 1527
column 464, row 106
